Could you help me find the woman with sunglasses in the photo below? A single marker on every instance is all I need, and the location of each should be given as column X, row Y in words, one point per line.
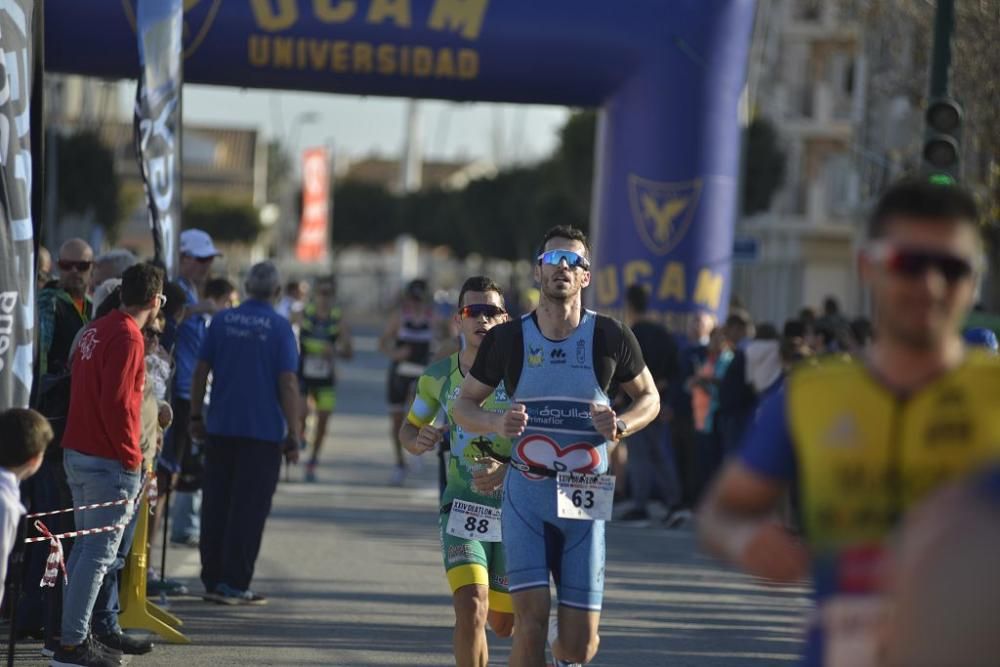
column 470, row 527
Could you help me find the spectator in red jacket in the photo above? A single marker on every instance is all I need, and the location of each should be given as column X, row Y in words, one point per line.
column 102, row 455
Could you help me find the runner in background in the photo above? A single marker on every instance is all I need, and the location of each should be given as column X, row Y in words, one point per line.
column 407, row 341
column 473, row 557
column 323, row 336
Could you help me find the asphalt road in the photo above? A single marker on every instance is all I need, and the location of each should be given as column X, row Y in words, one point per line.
column 353, row 572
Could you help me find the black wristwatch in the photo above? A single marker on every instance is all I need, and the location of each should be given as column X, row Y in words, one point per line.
column 621, row 426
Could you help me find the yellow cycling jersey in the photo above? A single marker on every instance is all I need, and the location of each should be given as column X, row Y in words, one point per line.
column 865, row 454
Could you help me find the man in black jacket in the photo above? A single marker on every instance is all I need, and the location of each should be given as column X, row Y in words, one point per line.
column 737, row 400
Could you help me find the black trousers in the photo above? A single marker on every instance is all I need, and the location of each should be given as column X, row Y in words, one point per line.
column 241, row 476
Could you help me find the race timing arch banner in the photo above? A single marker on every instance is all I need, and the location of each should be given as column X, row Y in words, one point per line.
column 667, row 74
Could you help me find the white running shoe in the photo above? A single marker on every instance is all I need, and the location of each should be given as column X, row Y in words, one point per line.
column 677, row 518
column 553, row 633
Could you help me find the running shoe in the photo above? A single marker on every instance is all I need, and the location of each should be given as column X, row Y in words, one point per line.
column 87, row 654
column 310, row 471
column 127, row 644
column 677, row 518
column 225, row 594
column 553, row 633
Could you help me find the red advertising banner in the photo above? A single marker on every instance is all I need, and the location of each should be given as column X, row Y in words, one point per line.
column 312, row 245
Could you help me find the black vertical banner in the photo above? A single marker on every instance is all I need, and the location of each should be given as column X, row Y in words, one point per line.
column 159, row 25
column 17, row 245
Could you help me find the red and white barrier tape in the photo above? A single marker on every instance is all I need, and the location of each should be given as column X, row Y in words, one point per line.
column 55, row 562
column 76, row 533
column 81, row 508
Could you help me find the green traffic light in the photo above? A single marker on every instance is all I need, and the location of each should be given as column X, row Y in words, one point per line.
column 941, row 179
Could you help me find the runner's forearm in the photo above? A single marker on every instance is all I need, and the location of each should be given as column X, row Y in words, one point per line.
column 473, row 418
column 643, row 410
column 408, row 437
column 725, row 533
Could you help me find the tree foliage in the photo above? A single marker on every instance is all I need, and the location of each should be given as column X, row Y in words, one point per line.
column 500, row 216
column 765, row 166
column 224, row 220
column 87, row 183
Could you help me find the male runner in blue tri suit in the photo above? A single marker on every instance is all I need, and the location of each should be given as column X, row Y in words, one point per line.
column 557, row 362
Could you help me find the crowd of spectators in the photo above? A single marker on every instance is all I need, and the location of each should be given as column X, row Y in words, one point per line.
column 711, row 380
column 122, row 354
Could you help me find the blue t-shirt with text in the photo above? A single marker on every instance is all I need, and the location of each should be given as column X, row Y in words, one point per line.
column 248, row 348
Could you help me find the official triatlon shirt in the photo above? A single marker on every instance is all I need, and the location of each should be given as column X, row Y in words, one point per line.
column 616, row 352
column 437, row 389
column 248, row 348
column 860, row 457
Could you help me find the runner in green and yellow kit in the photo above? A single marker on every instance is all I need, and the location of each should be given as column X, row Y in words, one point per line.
column 323, row 336
column 470, row 512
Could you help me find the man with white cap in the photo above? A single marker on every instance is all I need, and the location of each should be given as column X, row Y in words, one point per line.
column 197, row 254
column 253, row 357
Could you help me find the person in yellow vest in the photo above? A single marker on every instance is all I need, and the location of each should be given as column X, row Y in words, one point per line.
column 861, row 440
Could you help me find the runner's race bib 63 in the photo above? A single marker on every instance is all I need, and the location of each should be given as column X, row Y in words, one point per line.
column 472, row 521
column 586, row 497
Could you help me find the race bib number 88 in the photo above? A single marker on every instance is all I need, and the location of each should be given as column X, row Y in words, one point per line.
column 472, row 521
column 585, row 497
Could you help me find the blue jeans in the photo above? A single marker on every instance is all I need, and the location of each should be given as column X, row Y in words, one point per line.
column 651, row 462
column 93, row 479
column 185, row 516
column 241, row 476
column 107, row 605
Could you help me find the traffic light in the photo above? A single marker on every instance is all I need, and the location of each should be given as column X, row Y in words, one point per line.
column 943, row 139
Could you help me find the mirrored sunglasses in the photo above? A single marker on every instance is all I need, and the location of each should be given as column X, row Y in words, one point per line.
column 572, row 259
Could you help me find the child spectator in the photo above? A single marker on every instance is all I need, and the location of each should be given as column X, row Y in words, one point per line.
column 24, row 435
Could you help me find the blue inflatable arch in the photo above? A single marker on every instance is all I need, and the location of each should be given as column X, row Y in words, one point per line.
column 667, row 74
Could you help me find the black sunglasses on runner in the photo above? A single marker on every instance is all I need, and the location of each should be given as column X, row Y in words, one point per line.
column 68, row 265
column 572, row 259
column 477, row 309
column 915, row 264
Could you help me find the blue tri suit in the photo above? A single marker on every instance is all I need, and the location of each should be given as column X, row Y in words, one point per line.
column 557, row 381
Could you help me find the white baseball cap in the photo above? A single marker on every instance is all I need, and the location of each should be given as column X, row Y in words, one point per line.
column 197, row 243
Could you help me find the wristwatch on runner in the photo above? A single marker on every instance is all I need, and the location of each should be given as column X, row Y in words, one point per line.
column 621, row 427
